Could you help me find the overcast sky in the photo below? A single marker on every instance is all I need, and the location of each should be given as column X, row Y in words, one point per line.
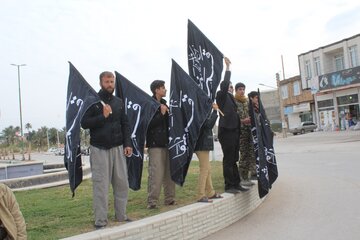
column 139, row 39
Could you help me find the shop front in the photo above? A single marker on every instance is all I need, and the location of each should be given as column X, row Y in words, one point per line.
column 348, row 108
column 327, row 119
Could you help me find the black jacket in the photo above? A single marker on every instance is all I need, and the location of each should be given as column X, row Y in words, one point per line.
column 227, row 105
column 158, row 133
column 205, row 141
column 106, row 133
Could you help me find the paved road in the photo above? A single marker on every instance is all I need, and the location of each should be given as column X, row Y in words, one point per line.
column 317, row 194
column 45, row 158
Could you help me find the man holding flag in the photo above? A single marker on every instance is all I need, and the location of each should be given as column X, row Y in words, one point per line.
column 110, row 143
column 157, row 138
column 229, row 133
column 263, row 136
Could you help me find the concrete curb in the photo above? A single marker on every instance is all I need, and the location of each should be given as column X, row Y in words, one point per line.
column 194, row 221
column 43, row 180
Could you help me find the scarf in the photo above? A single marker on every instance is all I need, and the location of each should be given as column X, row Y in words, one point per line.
column 240, row 98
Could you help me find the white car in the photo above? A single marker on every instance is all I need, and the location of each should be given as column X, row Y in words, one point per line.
column 303, row 128
column 60, row 152
column 52, row 150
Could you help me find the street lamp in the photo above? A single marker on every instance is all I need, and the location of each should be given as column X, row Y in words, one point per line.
column 261, row 84
column 21, row 125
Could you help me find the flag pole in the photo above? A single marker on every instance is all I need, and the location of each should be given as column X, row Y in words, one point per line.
column 102, row 102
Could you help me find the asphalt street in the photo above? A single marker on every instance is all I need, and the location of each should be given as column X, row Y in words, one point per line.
column 317, row 194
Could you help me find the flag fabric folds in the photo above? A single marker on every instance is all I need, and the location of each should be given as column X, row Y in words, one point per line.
column 189, row 107
column 205, row 61
column 80, row 96
column 140, row 109
column 266, row 167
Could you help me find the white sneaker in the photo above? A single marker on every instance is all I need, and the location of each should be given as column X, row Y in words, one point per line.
column 247, row 183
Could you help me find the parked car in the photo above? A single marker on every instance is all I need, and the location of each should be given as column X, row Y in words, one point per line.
column 60, row 152
column 52, row 150
column 303, row 128
column 85, row 150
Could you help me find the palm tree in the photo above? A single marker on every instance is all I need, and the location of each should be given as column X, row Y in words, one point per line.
column 9, row 135
column 28, row 127
column 43, row 137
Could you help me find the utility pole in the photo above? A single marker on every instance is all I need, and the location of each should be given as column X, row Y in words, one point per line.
column 47, row 138
column 58, row 140
column 283, row 122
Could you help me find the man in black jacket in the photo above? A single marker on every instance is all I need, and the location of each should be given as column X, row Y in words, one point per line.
column 229, row 133
column 157, row 139
column 110, row 143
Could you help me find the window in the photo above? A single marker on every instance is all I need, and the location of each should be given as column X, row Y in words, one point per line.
column 348, row 99
column 317, row 66
column 326, row 103
column 339, row 62
column 308, row 69
column 284, row 92
column 296, row 87
column 353, row 56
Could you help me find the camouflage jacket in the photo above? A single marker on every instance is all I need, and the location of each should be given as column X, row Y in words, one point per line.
column 243, row 110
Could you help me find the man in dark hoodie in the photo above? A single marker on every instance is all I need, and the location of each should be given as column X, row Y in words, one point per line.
column 110, row 143
column 157, row 139
column 229, row 133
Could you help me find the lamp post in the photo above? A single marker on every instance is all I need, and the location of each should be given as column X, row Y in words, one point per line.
column 261, row 84
column 21, row 125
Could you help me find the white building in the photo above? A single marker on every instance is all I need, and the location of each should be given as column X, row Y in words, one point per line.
column 332, row 72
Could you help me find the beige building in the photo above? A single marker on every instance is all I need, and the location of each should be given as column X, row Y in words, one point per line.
column 298, row 102
column 270, row 101
column 332, row 72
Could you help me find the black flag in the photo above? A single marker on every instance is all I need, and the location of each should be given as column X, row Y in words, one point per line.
column 205, row 61
column 189, row 107
column 266, row 168
column 140, row 109
column 80, row 96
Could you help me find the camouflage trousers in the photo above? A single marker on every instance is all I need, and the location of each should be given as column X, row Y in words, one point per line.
column 247, row 164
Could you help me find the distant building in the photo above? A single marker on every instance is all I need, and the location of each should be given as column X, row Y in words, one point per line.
column 298, row 102
column 332, row 73
column 271, row 103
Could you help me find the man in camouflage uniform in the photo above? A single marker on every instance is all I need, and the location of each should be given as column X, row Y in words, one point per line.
column 247, row 165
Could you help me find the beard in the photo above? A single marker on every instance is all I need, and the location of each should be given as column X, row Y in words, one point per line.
column 109, row 90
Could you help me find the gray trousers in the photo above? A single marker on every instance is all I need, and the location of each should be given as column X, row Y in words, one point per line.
column 159, row 175
column 109, row 166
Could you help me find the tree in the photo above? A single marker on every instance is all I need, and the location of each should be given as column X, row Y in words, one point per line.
column 9, row 134
column 40, row 138
column 28, row 127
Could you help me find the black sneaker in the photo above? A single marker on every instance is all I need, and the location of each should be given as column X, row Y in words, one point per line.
column 127, row 220
column 151, row 206
column 242, row 189
column 172, row 203
column 98, row 227
column 232, row 190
